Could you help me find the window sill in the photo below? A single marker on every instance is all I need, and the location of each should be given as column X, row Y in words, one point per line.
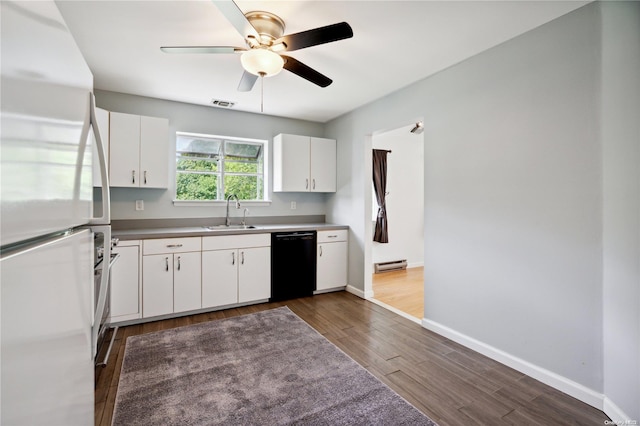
column 187, row 203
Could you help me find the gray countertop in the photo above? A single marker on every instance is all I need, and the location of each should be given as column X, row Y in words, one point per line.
column 201, row 231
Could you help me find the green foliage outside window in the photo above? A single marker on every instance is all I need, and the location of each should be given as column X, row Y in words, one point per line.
column 201, row 174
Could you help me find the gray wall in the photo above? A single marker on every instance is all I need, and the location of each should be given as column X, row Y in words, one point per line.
column 513, row 199
column 209, row 120
column 621, row 213
column 513, row 195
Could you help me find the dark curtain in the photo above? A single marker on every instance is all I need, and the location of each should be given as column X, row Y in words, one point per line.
column 381, row 233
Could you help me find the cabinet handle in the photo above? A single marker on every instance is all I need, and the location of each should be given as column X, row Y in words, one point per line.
column 320, row 251
column 314, row 184
column 178, row 263
column 306, row 185
column 133, row 176
column 166, row 264
column 332, row 236
column 242, row 261
column 233, row 257
column 145, row 177
column 174, row 245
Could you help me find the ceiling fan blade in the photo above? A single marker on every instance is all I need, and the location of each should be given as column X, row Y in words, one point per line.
column 234, row 15
column 306, row 72
column 247, row 81
column 317, row 36
column 201, row 49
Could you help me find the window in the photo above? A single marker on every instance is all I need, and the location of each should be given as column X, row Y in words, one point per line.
column 210, row 168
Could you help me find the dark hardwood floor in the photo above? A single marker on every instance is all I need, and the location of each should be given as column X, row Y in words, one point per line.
column 448, row 382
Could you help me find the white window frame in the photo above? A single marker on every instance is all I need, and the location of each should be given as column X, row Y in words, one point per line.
column 265, row 171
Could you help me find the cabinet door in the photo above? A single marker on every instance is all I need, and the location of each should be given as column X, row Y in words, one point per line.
column 323, row 165
column 332, row 265
column 291, row 163
column 186, row 282
column 124, row 150
column 157, row 285
column 254, row 274
column 154, row 152
column 219, row 278
column 125, row 288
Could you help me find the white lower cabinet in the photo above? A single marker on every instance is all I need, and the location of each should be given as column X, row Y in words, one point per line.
column 171, row 276
column 186, row 282
column 219, row 278
column 191, row 273
column 157, row 285
column 235, row 269
column 331, row 270
column 254, row 274
column 125, row 282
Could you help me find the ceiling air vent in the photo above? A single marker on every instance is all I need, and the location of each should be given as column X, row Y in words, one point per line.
column 222, row 104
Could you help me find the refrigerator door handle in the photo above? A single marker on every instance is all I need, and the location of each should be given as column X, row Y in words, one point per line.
column 105, row 218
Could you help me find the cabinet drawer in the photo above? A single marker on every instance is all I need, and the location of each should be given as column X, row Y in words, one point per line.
column 171, row 245
column 224, row 242
column 128, row 243
column 332, row 236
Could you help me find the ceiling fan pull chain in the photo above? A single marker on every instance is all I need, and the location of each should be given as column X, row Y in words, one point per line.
column 262, row 92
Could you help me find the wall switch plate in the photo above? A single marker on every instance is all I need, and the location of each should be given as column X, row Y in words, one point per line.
column 139, row 205
column 293, row 205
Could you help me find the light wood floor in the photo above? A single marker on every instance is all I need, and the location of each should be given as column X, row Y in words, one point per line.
column 448, row 382
column 404, row 290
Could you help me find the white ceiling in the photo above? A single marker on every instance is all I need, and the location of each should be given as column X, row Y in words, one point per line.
column 395, row 44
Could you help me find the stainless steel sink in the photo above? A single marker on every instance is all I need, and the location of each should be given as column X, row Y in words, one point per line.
column 228, row 228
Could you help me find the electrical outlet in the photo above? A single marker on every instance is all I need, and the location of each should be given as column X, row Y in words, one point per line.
column 293, row 205
column 139, row 205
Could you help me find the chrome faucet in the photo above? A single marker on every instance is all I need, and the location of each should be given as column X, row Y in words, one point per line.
column 228, row 221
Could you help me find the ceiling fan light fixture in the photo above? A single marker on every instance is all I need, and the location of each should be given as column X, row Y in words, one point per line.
column 262, row 62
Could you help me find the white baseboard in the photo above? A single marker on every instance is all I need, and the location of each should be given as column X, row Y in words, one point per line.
column 615, row 413
column 550, row 378
column 361, row 294
column 395, row 310
column 415, row 265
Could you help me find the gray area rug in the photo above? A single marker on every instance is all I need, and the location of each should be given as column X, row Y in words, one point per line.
column 267, row 368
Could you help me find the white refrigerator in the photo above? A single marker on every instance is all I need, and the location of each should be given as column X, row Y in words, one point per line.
column 47, row 297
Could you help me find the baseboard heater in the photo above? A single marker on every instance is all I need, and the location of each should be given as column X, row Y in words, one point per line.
column 393, row 265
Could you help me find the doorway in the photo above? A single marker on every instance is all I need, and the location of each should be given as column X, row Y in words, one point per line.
column 401, row 291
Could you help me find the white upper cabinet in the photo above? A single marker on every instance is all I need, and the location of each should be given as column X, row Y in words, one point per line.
column 139, row 151
column 304, row 164
column 124, row 150
column 323, row 165
column 154, row 152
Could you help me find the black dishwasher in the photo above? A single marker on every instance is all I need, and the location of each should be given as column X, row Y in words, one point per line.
column 293, row 264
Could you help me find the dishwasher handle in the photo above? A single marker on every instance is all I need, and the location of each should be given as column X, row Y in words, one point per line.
column 295, row 234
